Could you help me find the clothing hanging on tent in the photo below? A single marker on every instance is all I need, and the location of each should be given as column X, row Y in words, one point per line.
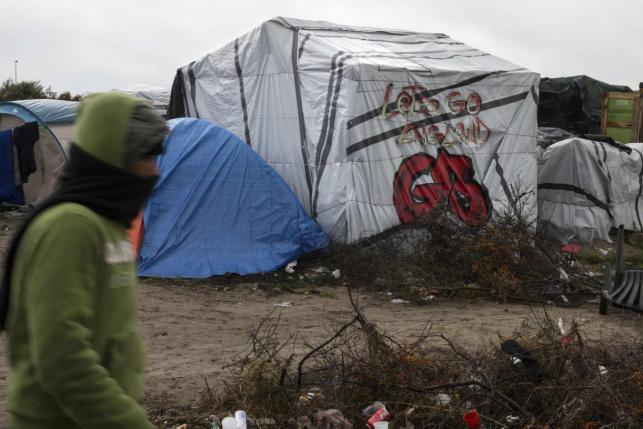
column 9, row 192
column 24, row 139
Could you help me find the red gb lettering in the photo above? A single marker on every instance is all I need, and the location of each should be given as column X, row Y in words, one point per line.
column 452, row 179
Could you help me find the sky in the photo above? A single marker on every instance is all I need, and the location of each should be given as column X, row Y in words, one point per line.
column 96, row 45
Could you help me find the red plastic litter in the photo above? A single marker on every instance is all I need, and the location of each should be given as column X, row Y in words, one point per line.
column 472, row 419
column 574, row 248
column 567, row 340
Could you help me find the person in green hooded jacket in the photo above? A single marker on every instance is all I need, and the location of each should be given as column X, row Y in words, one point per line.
column 68, row 292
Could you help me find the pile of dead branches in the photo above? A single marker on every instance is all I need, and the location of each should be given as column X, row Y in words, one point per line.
column 547, row 375
column 503, row 258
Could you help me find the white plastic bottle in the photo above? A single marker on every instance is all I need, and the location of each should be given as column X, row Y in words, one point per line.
column 240, row 417
column 229, row 423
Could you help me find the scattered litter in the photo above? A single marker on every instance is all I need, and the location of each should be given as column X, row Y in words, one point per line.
column 400, row 301
column 603, row 252
column 473, row 387
column 307, row 397
column 560, row 326
column 215, row 422
column 566, row 340
column 284, row 304
column 321, row 271
column 371, row 409
column 290, row 268
column 520, row 355
column 229, row 423
column 265, row 422
column 602, row 370
column 241, row 418
column 361, row 353
column 380, row 415
column 336, row 274
column 563, row 275
column 565, row 299
column 444, row 399
column 572, row 248
column 472, row 419
column 512, row 419
column 429, row 298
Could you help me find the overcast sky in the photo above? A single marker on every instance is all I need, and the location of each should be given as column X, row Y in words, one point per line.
column 95, row 45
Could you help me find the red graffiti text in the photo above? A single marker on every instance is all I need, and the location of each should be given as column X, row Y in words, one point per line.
column 423, row 182
column 410, row 102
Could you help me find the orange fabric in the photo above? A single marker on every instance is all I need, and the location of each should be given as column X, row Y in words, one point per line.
column 136, row 232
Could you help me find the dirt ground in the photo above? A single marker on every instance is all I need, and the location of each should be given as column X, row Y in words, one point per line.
column 192, row 329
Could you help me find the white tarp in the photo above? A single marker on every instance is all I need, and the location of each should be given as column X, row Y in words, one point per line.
column 373, row 127
column 158, row 95
column 585, row 188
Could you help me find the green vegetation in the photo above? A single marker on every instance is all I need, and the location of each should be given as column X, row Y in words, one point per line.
column 31, row 89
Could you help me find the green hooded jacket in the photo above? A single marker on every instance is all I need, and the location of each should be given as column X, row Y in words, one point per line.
column 76, row 360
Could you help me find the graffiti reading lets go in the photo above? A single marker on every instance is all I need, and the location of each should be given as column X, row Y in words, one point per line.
column 411, row 102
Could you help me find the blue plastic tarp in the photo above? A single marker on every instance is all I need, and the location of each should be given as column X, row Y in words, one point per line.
column 42, row 111
column 219, row 208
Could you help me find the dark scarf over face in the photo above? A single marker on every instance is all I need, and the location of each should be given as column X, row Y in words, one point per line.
column 86, row 180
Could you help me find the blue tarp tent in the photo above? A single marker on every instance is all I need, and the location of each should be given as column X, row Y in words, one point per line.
column 219, row 208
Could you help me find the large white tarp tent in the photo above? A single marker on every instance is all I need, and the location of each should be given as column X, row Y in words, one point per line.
column 372, row 127
column 586, row 187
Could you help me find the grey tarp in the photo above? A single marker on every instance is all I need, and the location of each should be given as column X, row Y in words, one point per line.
column 586, row 187
column 372, row 127
column 158, row 96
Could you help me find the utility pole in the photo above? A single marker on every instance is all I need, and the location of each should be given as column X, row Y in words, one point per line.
column 16, row 71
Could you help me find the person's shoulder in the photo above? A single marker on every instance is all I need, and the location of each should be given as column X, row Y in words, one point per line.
column 68, row 214
column 63, row 228
column 66, row 221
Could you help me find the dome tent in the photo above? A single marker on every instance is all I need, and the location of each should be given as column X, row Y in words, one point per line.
column 55, row 119
column 219, row 208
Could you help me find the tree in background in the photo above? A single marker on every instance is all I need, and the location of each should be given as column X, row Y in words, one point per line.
column 68, row 97
column 31, row 89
